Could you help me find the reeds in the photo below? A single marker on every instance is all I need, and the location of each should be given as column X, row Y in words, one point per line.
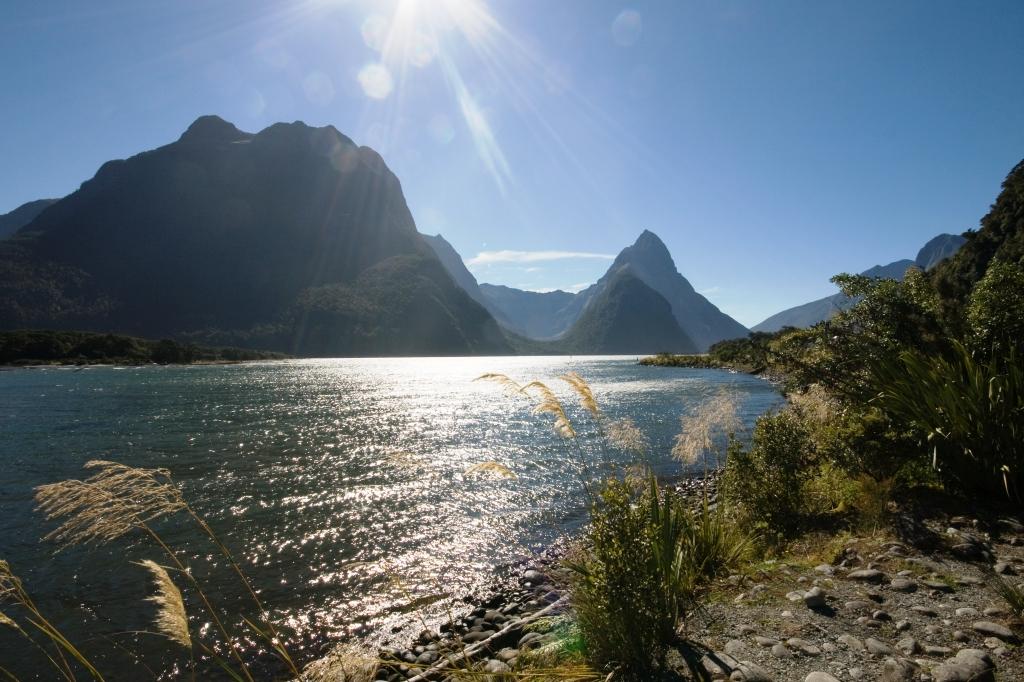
column 705, row 429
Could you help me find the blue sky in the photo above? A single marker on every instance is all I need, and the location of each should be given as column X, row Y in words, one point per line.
column 770, row 144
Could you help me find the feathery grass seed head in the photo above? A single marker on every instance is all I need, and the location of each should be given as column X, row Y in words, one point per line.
column 713, row 418
column 108, row 504
column 502, row 380
column 627, row 436
column 548, row 403
column 171, row 619
column 496, row 468
column 583, row 390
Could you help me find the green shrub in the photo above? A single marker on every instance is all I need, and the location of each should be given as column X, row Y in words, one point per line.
column 765, row 485
column 995, row 312
column 645, row 557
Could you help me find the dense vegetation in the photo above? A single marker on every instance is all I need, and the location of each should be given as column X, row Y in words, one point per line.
column 32, row 347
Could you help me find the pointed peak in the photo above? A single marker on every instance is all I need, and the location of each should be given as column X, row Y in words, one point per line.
column 212, row 128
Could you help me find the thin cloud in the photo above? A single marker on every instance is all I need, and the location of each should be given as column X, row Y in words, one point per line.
column 491, row 257
column 710, row 290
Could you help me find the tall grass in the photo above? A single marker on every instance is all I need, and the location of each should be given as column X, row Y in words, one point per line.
column 117, row 500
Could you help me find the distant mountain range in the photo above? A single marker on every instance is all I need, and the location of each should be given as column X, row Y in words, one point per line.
column 931, row 254
column 643, row 274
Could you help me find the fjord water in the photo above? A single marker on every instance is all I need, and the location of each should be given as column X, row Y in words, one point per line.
column 340, row 485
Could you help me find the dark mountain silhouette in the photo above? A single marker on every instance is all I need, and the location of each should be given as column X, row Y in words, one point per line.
column 931, row 254
column 649, row 260
column 22, row 216
column 625, row 316
column 293, row 239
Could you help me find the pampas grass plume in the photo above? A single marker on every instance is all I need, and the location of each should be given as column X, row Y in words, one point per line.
column 171, row 619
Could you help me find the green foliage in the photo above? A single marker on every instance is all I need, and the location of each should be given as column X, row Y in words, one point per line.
column 69, row 347
column 1012, row 594
column 1001, row 237
column 765, row 484
column 646, row 558
column 970, row 411
column 995, row 311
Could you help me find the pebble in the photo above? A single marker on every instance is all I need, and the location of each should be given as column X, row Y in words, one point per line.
column 820, row 677
column 803, row 646
column 735, row 647
column 902, row 625
column 868, row 575
column 909, row 646
column 814, row 598
column 747, row 671
column 850, row 642
column 903, row 585
column 877, row 647
column 858, row 605
column 898, row 670
column 969, row 665
column 765, row 641
column 967, row 612
column 937, row 585
column 496, row 667
column 925, row 611
column 779, row 650
column 987, row 627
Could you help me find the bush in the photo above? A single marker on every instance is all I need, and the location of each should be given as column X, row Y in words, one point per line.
column 765, row 485
column 995, row 313
column 646, row 557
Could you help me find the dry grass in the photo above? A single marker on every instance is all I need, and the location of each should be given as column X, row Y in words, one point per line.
column 490, row 468
column 707, row 425
column 548, row 403
column 582, row 389
column 171, row 619
column 625, row 435
column 112, row 502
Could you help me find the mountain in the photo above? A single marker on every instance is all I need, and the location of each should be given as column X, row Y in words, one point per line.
column 649, row 260
column 534, row 314
column 550, row 316
column 938, row 249
column 292, row 239
column 931, row 254
column 626, row 317
column 22, row 216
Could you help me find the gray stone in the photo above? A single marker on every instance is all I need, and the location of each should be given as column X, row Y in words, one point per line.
column 859, row 605
column 747, row 671
column 795, row 595
column 877, row 647
column 987, row 627
column 851, row 642
column 779, row 650
column 961, row 636
column 814, row 598
column 824, row 569
column 868, row 575
column 803, row 646
column 934, row 650
column 856, row 673
column 898, row 670
column 507, row 654
column 735, row 647
column 909, row 646
column 902, row 625
column 820, row 677
column 765, row 641
column 969, row 665
column 1003, row 568
column 967, row 612
column 903, row 585
column 881, row 615
column 925, row 611
column 496, row 667
column 994, row 612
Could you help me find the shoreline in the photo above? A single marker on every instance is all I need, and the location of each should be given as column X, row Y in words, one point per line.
column 496, row 629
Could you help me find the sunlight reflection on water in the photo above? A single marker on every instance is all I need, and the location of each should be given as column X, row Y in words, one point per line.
column 339, row 484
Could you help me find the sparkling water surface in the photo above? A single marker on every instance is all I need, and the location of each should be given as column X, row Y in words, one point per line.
column 340, row 485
